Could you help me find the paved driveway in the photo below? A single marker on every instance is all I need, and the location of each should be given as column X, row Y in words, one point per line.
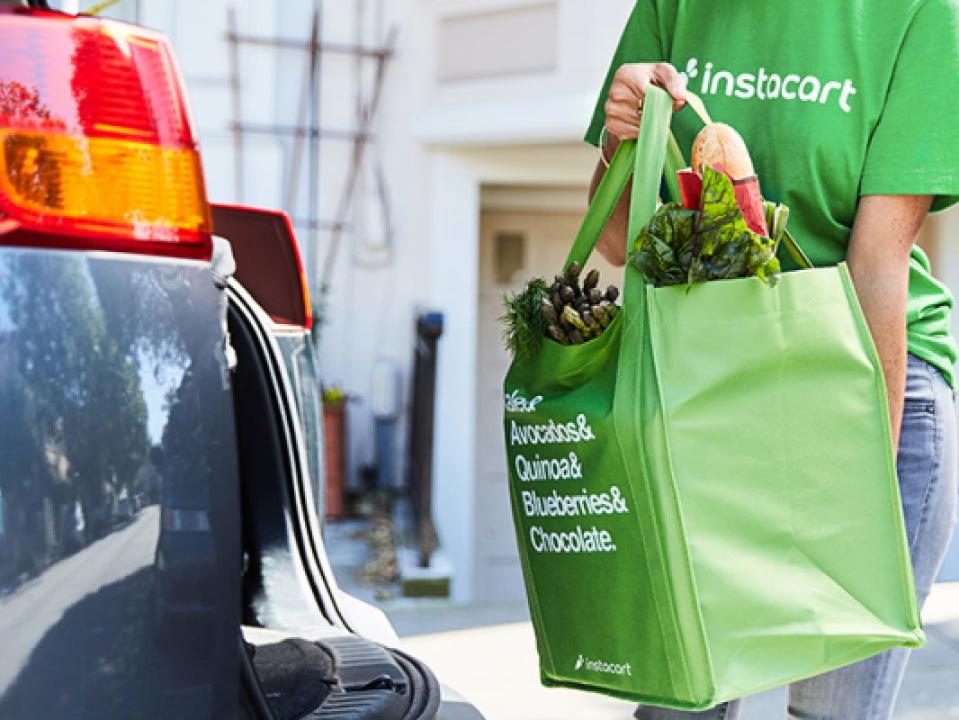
column 494, row 665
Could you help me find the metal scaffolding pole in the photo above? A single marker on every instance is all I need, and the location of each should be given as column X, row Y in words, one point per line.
column 356, row 162
column 298, row 131
column 308, row 131
column 313, row 182
column 235, row 96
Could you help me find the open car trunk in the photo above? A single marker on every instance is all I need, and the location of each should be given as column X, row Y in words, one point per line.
column 298, row 657
column 344, row 677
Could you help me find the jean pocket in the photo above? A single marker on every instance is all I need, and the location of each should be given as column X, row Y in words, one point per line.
column 919, row 406
column 920, row 395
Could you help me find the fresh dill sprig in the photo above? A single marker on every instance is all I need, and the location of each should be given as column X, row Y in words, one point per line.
column 525, row 324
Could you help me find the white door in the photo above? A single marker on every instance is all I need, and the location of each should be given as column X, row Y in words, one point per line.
column 515, row 245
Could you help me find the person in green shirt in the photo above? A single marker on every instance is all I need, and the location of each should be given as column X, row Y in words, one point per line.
column 850, row 114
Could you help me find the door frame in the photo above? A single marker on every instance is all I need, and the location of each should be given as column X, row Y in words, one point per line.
column 457, row 176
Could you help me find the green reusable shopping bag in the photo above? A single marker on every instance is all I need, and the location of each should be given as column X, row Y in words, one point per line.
column 705, row 496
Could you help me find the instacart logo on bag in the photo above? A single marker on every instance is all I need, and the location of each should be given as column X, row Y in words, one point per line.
column 707, row 79
column 601, row 666
column 516, row 403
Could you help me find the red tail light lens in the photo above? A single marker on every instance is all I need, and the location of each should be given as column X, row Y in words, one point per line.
column 95, row 138
column 268, row 261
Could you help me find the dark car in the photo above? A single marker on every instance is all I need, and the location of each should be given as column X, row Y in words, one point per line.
column 160, row 467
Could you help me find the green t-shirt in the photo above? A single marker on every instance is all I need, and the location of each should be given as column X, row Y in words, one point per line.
column 834, row 101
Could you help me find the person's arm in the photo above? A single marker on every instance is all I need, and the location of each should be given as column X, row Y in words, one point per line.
column 883, row 234
column 622, row 123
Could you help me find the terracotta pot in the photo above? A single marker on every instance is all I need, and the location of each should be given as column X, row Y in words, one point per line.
column 334, row 456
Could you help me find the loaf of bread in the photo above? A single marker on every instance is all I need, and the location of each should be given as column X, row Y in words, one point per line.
column 719, row 144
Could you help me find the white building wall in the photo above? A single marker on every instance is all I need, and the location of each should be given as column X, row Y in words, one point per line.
column 520, row 129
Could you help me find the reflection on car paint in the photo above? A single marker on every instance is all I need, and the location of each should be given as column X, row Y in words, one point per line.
column 298, row 356
column 119, row 551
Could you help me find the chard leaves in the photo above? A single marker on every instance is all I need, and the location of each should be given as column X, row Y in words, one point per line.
column 664, row 249
column 727, row 247
column 680, row 246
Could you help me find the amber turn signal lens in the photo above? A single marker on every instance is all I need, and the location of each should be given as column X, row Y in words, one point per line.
column 104, row 185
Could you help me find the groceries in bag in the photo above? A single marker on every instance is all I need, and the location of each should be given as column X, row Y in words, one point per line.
column 566, row 312
column 722, row 229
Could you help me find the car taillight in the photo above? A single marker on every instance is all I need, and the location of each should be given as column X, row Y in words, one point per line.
column 307, row 301
column 96, row 141
column 268, row 261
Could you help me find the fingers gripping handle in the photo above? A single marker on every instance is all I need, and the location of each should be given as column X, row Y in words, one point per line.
column 644, row 159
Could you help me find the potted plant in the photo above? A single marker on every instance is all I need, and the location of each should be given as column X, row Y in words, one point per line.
column 334, row 450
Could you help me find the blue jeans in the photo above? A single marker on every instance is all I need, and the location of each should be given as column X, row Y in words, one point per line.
column 927, row 467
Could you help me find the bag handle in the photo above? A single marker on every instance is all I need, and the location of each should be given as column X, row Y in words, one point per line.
column 651, row 161
column 654, row 155
column 645, row 160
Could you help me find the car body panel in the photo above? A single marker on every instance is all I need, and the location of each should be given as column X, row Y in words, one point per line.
column 119, row 511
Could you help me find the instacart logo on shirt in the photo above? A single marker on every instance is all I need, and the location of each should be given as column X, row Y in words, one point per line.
column 710, row 80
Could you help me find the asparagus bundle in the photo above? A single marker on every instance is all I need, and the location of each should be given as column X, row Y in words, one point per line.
column 567, row 312
column 576, row 313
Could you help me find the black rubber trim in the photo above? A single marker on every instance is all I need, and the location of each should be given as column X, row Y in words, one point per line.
column 424, row 688
column 253, row 696
column 304, row 543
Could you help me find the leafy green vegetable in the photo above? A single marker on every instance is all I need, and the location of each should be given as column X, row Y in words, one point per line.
column 663, row 250
column 727, row 247
column 680, row 246
column 526, row 326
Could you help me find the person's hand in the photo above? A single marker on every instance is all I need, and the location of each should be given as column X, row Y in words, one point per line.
column 624, row 110
column 624, row 104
